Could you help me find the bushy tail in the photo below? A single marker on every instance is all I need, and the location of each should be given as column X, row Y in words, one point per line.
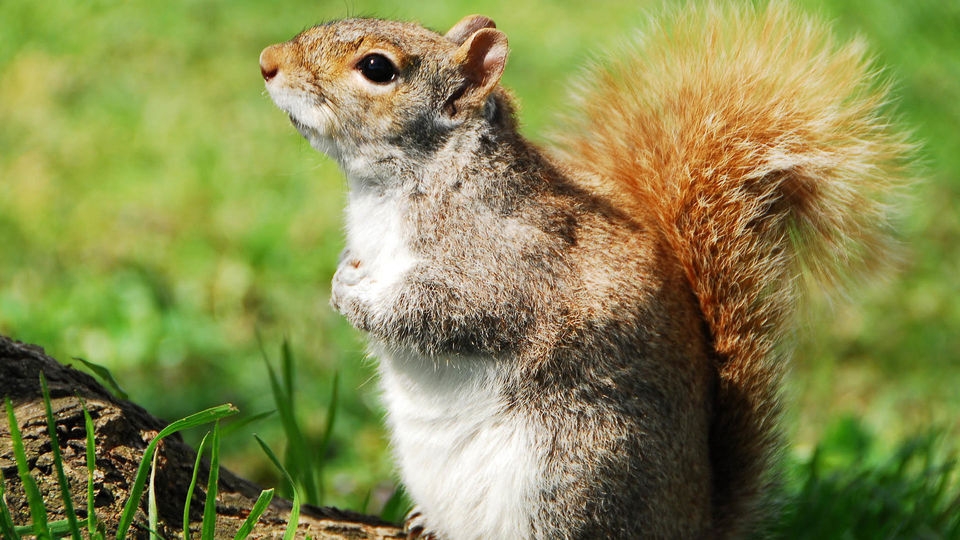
column 757, row 143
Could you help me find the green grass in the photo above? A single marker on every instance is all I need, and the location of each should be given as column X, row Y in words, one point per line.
column 295, row 511
column 38, row 512
column 304, row 458
column 848, row 488
column 845, row 489
column 40, row 527
column 157, row 213
column 65, row 494
column 136, row 491
column 193, row 485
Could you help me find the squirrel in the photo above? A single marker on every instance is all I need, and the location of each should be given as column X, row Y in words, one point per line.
column 587, row 339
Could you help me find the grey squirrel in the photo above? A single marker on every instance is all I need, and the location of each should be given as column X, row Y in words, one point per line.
column 587, row 341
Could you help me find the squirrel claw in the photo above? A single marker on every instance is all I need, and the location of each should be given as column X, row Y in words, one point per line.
column 415, row 526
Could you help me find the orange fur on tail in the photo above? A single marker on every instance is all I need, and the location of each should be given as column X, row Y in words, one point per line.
column 756, row 142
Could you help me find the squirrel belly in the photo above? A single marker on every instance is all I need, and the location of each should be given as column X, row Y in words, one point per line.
column 588, row 341
column 466, row 457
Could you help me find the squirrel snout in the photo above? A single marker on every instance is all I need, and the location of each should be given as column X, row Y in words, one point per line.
column 270, row 62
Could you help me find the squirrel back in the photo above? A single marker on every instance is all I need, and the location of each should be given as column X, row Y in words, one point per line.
column 758, row 146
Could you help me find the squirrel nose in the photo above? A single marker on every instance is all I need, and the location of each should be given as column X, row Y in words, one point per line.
column 269, row 62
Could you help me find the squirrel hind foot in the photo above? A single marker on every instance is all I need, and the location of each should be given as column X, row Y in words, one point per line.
column 415, row 526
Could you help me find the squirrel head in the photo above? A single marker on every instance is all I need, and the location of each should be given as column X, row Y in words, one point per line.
column 372, row 86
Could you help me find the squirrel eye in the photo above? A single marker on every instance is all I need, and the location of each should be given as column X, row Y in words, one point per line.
column 377, row 68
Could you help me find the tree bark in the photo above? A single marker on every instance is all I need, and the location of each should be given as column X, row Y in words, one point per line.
column 123, row 430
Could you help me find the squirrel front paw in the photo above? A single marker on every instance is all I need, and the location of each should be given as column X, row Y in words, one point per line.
column 349, row 283
column 415, row 526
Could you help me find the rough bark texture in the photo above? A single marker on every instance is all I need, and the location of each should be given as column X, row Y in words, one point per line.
column 123, row 430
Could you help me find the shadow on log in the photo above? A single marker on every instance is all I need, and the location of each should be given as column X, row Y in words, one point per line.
column 123, row 430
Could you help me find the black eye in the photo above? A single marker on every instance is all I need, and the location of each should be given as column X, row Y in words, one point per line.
column 377, row 68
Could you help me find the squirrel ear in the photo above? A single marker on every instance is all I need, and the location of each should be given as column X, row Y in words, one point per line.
column 467, row 27
column 481, row 58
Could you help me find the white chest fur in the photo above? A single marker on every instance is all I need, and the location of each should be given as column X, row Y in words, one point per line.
column 375, row 236
column 468, row 463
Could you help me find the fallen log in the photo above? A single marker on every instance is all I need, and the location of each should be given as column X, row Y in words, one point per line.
column 123, row 430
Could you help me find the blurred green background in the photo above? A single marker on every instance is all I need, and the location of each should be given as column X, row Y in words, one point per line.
column 158, row 213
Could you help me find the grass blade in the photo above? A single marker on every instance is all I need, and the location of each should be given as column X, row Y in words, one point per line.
column 58, row 462
column 298, row 461
column 210, row 502
column 237, row 425
column 320, row 455
column 57, row 528
column 262, row 502
column 294, row 518
column 37, row 510
column 7, row 530
column 105, row 376
column 193, row 485
column 91, row 468
column 198, row 419
column 365, row 505
column 152, row 501
column 286, row 365
column 396, row 507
